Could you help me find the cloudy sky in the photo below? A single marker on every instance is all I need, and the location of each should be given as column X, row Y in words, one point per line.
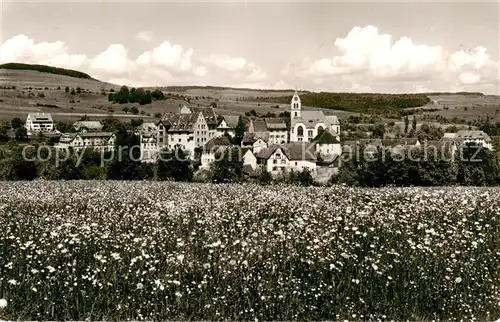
column 332, row 46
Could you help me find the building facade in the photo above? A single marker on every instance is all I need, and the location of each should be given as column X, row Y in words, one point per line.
column 306, row 125
column 39, row 122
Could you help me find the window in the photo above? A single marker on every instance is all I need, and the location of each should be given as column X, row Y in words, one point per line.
column 296, row 163
column 300, row 131
column 296, row 113
column 278, row 156
column 275, row 161
column 283, row 161
column 275, row 168
column 300, row 139
column 310, row 133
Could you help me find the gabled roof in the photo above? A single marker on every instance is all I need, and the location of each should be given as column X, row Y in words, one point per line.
column 311, row 118
column 325, row 138
column 215, row 143
column 259, row 125
column 91, row 125
column 148, row 127
column 300, row 151
column 208, row 113
column 468, row 135
column 396, row 142
column 231, row 121
column 275, row 124
column 180, row 122
column 40, row 117
column 333, row 119
column 95, row 134
column 251, row 138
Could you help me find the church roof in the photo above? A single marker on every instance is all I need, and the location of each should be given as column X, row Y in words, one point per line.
column 311, row 118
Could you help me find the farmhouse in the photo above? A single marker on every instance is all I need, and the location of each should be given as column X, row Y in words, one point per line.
column 149, row 147
column 274, row 130
column 87, row 126
column 214, row 146
column 327, row 144
column 228, row 125
column 188, row 130
column 291, row 156
column 94, row 140
column 39, row 122
column 255, row 141
column 305, row 125
column 479, row 138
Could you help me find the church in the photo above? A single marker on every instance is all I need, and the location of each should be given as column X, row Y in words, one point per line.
column 306, row 125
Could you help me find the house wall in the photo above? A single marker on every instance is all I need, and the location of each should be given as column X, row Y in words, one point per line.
column 184, row 140
column 250, row 159
column 259, row 145
column 207, row 158
column 329, row 149
column 201, row 132
column 277, row 162
column 278, row 137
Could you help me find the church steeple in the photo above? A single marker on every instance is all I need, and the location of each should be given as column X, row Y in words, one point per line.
column 295, row 105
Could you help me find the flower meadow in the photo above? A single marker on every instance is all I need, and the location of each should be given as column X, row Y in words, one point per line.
column 94, row 250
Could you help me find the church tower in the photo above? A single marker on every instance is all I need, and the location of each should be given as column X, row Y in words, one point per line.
column 295, row 106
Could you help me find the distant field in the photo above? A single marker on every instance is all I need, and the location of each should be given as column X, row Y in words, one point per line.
column 22, row 100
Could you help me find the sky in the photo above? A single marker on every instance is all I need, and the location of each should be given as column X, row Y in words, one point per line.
column 389, row 47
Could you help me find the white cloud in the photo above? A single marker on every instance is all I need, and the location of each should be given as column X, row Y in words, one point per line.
column 231, row 69
column 21, row 48
column 146, row 36
column 168, row 56
column 114, row 60
column 367, row 57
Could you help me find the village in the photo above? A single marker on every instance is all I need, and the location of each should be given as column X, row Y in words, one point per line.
column 308, row 140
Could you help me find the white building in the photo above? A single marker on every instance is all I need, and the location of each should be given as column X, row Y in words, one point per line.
column 305, row 125
column 328, row 146
column 188, row 130
column 210, row 150
column 255, row 142
column 292, row 156
column 89, row 140
column 228, row 125
column 87, row 126
column 39, row 122
column 274, row 129
column 471, row 137
column 149, row 147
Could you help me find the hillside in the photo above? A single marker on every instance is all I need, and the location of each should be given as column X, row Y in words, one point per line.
column 388, row 105
column 46, row 69
column 28, row 90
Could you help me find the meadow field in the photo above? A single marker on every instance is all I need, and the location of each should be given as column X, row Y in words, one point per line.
column 177, row 251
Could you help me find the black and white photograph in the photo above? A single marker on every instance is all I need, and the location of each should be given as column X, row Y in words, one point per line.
column 249, row 160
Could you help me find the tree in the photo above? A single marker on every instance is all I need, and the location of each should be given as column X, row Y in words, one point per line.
column 66, row 89
column 378, row 131
column 21, row 134
column 16, row 123
column 174, row 165
column 4, row 137
column 78, row 90
column 134, row 110
column 228, row 166
column 73, row 92
column 407, row 123
column 414, row 124
column 125, row 109
column 239, row 132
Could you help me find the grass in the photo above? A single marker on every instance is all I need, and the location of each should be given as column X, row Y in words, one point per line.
column 164, row 251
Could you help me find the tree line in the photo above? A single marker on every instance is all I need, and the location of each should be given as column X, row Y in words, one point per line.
column 383, row 104
column 46, row 69
column 135, row 95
